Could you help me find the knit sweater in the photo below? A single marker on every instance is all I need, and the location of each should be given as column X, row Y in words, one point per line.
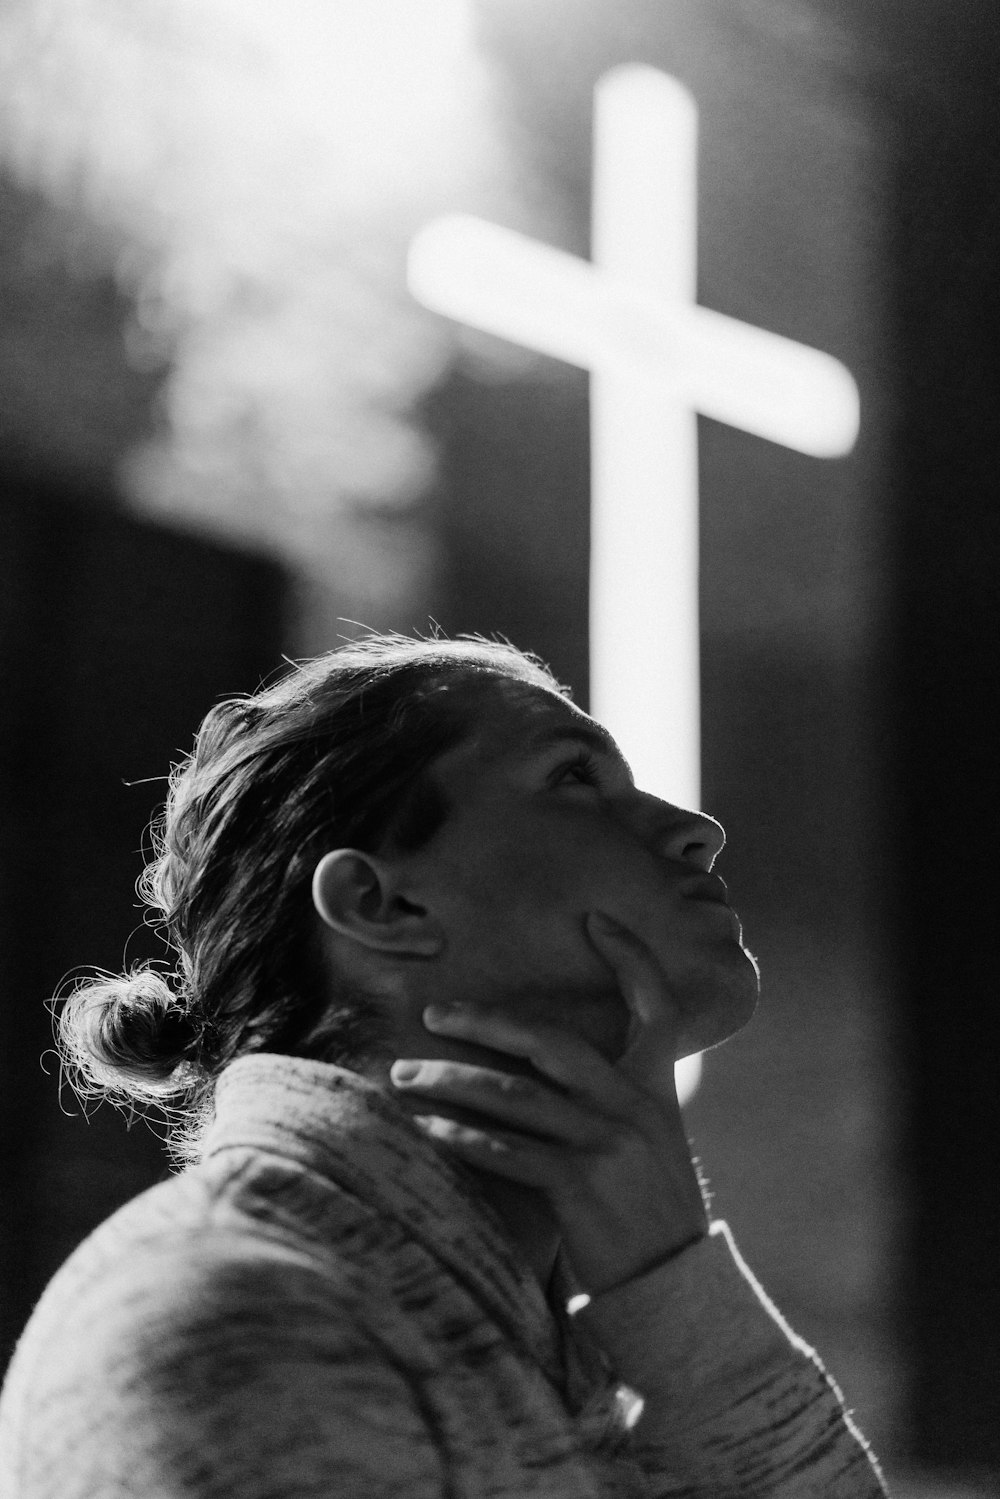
column 324, row 1307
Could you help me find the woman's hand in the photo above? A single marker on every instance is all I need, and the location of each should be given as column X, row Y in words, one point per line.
column 604, row 1143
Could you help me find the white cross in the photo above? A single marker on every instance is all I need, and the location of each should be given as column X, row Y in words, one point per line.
column 656, row 358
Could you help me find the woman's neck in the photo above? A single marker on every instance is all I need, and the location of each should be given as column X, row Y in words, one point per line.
column 528, row 1220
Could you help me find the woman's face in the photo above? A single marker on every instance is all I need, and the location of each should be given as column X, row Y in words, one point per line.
column 546, row 825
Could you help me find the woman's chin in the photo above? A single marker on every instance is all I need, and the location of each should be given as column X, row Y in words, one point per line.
column 729, row 1010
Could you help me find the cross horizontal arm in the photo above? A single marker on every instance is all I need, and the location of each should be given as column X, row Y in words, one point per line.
column 503, row 283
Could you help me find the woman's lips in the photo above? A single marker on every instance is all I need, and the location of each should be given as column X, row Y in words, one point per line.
column 707, row 887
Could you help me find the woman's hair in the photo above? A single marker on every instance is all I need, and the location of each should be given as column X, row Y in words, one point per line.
column 337, row 753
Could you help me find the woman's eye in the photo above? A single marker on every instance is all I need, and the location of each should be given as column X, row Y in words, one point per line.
column 581, row 770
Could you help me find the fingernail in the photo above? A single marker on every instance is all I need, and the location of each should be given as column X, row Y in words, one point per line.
column 440, row 1013
column 405, row 1072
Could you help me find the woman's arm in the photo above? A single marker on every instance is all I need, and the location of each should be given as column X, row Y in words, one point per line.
column 733, row 1401
column 736, row 1404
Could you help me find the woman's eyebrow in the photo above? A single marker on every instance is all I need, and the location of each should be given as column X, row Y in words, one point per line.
column 592, row 735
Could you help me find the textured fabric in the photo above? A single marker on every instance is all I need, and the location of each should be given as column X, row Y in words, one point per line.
column 324, row 1306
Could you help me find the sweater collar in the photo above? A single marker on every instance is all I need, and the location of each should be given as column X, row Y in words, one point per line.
column 353, row 1132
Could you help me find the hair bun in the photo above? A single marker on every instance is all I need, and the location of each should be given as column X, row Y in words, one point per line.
column 126, row 1034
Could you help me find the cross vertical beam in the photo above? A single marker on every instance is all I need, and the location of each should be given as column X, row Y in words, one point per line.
column 644, row 656
column 656, row 358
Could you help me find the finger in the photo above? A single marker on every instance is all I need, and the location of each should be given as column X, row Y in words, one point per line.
column 641, row 980
column 500, row 1097
column 503, row 1152
column 561, row 1056
column 652, row 1041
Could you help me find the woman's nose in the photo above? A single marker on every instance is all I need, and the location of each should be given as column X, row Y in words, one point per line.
column 692, row 836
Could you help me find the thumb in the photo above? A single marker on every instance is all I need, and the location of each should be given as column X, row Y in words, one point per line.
column 653, row 1035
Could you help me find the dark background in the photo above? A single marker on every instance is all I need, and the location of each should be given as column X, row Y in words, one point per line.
column 848, row 159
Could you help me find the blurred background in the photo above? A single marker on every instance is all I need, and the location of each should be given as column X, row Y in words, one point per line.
column 229, row 433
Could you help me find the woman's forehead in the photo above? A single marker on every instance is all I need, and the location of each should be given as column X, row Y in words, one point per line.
column 503, row 715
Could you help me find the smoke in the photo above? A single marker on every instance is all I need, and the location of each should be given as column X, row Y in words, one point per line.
column 253, row 171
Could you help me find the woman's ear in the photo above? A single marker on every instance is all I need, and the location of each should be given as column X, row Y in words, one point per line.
column 357, row 895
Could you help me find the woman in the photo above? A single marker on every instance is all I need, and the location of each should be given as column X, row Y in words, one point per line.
column 437, row 1230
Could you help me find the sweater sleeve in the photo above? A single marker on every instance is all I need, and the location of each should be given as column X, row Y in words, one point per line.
column 734, row 1404
column 243, row 1375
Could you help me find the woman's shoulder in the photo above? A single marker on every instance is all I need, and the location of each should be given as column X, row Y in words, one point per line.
column 192, row 1275
column 212, row 1292
column 211, row 1245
